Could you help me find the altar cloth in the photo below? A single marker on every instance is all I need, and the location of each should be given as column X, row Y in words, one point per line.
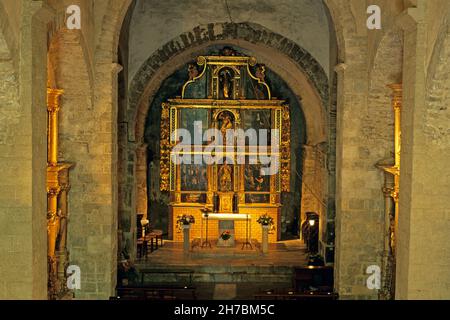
column 227, row 216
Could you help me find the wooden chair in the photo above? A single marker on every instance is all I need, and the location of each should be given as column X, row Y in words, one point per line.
column 157, row 235
column 142, row 247
column 150, row 237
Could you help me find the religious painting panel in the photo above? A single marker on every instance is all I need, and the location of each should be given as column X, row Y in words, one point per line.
column 256, row 184
column 195, row 121
column 193, row 197
column 193, row 177
column 257, row 119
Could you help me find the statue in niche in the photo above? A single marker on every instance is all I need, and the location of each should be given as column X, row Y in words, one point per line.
column 260, row 72
column 225, row 177
column 226, row 79
column 259, row 88
column 192, row 71
column 228, row 51
column 226, row 123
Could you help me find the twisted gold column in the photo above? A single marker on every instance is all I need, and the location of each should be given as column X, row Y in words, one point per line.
column 395, row 170
column 392, row 191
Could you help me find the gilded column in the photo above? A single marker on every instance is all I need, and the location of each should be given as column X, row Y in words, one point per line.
column 141, row 177
column 395, row 170
column 392, row 191
column 61, row 250
column 53, row 109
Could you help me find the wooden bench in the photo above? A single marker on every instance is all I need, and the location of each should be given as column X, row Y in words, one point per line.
column 313, row 276
column 290, row 295
column 146, row 271
column 156, row 292
column 142, row 245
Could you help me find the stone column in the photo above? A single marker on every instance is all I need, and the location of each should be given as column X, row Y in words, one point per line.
column 186, row 238
column 265, row 239
column 141, row 180
column 53, row 187
column 422, row 260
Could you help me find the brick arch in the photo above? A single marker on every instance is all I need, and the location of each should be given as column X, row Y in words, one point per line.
column 111, row 24
column 296, row 66
column 342, row 22
column 340, row 12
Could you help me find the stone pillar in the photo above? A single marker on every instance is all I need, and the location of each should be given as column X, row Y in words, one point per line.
column 358, row 229
column 141, row 180
column 422, row 259
column 23, row 157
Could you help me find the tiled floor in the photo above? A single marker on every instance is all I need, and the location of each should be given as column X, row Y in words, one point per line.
column 286, row 254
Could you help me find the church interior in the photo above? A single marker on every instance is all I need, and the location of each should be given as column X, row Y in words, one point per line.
column 224, row 150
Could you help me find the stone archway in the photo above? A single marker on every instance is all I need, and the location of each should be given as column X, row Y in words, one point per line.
column 309, row 81
column 349, row 41
column 287, row 66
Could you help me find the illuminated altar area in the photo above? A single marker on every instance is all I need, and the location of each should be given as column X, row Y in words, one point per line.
column 225, row 92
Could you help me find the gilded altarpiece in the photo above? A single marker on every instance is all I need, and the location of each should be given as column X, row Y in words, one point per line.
column 229, row 174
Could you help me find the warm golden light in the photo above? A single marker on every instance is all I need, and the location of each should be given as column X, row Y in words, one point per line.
column 312, row 222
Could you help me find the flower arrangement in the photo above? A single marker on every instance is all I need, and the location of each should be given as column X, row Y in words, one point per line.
column 185, row 220
column 266, row 220
column 226, row 235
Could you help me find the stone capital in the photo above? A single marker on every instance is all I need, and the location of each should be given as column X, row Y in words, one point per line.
column 408, row 19
column 42, row 11
column 116, row 67
column 340, row 67
column 53, row 95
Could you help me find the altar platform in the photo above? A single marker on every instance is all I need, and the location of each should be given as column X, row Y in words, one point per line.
column 211, row 266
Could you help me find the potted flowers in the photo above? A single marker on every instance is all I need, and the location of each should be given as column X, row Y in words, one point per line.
column 184, row 223
column 266, row 220
column 226, row 235
column 267, row 224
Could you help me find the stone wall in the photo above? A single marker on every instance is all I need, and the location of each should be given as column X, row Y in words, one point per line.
column 23, row 265
column 303, row 22
column 423, row 253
